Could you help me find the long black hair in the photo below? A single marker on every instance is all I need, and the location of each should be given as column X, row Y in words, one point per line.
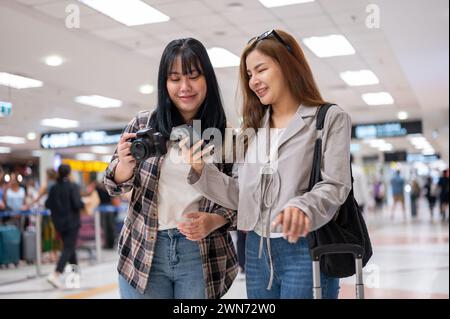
column 193, row 56
column 63, row 172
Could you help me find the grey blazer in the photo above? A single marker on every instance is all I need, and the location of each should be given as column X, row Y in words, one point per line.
column 249, row 193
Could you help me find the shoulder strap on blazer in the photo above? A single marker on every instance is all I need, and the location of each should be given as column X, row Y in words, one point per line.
column 321, row 113
column 315, row 176
column 320, row 120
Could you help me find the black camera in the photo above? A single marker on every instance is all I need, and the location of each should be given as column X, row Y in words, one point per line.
column 148, row 143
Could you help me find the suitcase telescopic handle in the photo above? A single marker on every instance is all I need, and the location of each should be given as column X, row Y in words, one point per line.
column 356, row 250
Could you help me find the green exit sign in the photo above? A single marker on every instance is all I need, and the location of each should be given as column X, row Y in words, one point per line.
column 5, row 109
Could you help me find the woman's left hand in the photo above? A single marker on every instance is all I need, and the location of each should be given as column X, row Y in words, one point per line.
column 295, row 223
column 201, row 225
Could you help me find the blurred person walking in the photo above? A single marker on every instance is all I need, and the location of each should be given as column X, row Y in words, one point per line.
column 398, row 186
column 414, row 196
column 443, row 194
column 51, row 176
column 2, row 190
column 51, row 243
column 378, row 195
column 31, row 192
column 98, row 195
column 108, row 220
column 431, row 191
column 64, row 202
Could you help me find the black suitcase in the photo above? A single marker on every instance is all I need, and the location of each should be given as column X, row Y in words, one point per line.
column 319, row 251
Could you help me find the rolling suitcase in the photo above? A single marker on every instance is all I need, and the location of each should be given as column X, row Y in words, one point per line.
column 29, row 246
column 9, row 245
column 319, row 251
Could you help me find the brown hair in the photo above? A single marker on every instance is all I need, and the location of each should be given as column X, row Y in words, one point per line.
column 295, row 68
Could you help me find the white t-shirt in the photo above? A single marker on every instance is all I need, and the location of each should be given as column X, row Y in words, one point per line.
column 15, row 199
column 175, row 195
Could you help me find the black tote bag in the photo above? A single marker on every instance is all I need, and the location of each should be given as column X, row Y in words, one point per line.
column 347, row 225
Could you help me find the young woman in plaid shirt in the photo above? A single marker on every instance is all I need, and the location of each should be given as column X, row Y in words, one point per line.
column 160, row 255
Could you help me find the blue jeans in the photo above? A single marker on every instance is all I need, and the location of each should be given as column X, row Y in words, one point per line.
column 292, row 271
column 176, row 271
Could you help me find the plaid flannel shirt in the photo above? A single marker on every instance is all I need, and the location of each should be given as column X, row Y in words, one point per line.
column 139, row 234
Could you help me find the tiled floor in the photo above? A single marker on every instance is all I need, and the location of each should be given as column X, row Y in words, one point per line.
column 411, row 260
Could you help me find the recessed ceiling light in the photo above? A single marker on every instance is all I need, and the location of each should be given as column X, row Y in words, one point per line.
column 377, row 143
column 98, row 101
column 59, row 123
column 5, row 150
column 12, row 140
column 429, row 151
column 329, row 46
column 402, row 115
column 18, row 82
column 359, row 78
column 417, row 139
column 420, row 145
column 380, row 144
column 222, row 58
column 420, row 142
column 31, row 136
column 146, row 89
column 128, row 12
column 380, row 98
column 386, row 147
column 53, row 60
column 280, row 3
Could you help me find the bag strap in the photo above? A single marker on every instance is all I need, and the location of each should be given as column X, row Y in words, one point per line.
column 321, row 113
column 317, row 158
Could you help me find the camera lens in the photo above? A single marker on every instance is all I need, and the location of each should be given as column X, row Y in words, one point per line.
column 138, row 150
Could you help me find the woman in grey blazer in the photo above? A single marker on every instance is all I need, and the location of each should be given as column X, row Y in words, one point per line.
column 269, row 185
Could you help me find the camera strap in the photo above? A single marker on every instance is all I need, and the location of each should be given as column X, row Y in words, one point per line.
column 148, row 119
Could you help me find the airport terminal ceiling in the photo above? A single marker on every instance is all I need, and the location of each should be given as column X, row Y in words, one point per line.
column 104, row 57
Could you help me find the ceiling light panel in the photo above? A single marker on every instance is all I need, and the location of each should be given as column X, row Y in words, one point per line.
column 128, row 12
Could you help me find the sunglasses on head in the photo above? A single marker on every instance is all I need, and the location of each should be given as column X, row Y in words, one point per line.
column 267, row 34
